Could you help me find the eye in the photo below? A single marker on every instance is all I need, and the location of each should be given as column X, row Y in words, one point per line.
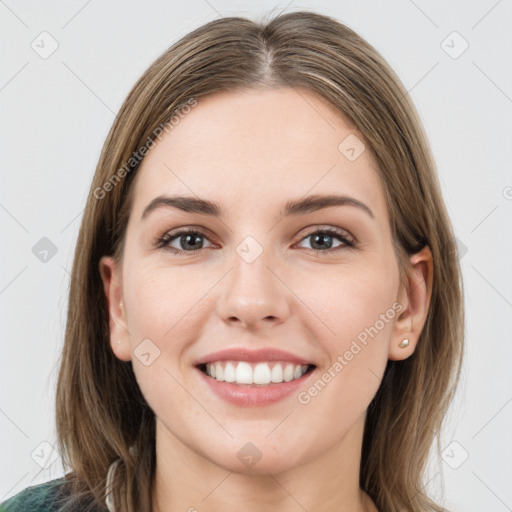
column 188, row 239
column 322, row 239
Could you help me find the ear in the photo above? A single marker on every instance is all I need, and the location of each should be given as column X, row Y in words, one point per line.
column 112, row 285
column 415, row 300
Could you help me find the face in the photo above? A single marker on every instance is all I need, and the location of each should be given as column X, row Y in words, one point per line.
column 313, row 289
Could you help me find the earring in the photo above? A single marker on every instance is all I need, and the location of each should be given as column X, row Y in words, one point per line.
column 404, row 343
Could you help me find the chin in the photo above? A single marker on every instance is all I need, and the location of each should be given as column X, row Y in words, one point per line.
column 256, row 458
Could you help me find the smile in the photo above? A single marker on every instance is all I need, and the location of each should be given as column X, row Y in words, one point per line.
column 261, row 373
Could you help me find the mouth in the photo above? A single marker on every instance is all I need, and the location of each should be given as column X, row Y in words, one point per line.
column 255, row 374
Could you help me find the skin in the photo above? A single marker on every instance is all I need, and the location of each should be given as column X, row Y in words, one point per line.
column 250, row 152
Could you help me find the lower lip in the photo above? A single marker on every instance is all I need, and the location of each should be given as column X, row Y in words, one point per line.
column 254, row 395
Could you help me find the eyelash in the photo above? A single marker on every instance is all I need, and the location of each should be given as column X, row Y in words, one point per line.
column 162, row 242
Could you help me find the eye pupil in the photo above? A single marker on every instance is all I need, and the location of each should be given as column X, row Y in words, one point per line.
column 195, row 239
column 320, row 236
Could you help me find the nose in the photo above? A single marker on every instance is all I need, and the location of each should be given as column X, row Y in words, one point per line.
column 253, row 295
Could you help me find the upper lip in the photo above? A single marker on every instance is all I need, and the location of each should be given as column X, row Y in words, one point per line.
column 244, row 354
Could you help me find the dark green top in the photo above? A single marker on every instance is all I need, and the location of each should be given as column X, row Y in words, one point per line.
column 37, row 498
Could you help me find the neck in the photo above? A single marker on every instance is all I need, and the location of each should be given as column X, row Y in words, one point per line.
column 329, row 482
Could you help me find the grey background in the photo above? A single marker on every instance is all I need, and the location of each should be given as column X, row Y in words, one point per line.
column 55, row 115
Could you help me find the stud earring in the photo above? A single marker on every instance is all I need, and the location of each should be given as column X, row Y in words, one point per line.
column 404, row 343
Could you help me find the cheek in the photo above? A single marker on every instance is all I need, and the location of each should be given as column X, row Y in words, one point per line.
column 160, row 319
column 350, row 298
column 360, row 316
column 161, row 302
column 357, row 308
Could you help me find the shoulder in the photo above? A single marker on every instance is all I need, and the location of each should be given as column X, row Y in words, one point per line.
column 36, row 498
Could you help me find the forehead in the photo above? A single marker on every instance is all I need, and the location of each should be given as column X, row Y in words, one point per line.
column 258, row 148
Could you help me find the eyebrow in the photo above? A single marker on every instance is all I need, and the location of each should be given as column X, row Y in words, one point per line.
column 291, row 208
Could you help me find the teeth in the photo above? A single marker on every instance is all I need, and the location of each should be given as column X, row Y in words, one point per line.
column 219, row 372
column 262, row 374
column 229, row 372
column 288, row 373
column 242, row 372
column 277, row 373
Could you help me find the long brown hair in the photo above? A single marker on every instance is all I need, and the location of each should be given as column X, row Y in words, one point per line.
column 100, row 410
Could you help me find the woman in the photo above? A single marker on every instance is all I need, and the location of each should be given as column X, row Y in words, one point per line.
column 303, row 354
